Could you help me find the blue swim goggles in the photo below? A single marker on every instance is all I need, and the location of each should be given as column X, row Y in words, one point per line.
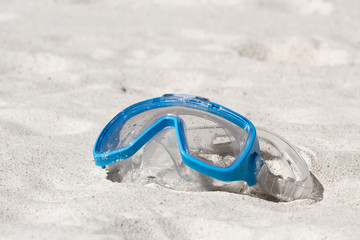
column 206, row 137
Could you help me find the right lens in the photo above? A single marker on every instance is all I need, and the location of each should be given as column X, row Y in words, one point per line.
column 213, row 140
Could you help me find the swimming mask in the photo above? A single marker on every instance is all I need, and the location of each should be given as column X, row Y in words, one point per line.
column 204, row 136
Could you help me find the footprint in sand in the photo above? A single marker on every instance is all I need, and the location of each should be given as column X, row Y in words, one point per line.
column 296, row 51
column 31, row 63
column 44, row 122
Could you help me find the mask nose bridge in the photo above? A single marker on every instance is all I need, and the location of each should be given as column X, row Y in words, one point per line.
column 158, row 126
column 166, row 144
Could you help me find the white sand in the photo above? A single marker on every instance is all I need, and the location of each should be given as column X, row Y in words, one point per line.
column 67, row 67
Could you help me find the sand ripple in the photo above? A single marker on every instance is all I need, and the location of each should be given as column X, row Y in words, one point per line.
column 31, row 63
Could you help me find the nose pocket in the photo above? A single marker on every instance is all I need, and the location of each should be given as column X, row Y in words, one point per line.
column 161, row 157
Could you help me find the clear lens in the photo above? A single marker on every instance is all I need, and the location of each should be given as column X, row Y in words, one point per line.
column 212, row 141
column 210, row 138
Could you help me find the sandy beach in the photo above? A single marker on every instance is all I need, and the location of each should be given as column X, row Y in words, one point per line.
column 68, row 67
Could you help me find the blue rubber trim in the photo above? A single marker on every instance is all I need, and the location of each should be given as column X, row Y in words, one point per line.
column 243, row 168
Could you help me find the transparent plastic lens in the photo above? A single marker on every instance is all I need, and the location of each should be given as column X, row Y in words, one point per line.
column 160, row 162
column 210, row 138
column 211, row 142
